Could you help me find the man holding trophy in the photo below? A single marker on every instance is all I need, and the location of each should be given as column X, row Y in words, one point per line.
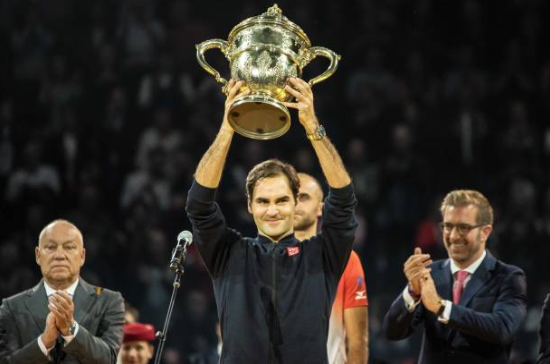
column 273, row 293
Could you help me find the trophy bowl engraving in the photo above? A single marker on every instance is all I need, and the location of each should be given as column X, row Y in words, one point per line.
column 265, row 51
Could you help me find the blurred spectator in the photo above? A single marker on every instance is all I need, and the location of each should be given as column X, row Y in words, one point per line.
column 60, row 89
column 131, row 314
column 148, row 184
column 140, row 33
column 35, row 180
column 31, row 42
column 210, row 355
column 161, row 135
column 7, row 147
column 163, row 87
column 430, row 97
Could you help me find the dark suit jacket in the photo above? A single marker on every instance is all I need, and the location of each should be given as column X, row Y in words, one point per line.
column 481, row 328
column 99, row 313
column 544, row 351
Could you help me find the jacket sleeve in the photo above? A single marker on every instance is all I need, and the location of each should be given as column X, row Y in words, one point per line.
column 213, row 238
column 10, row 350
column 501, row 325
column 399, row 323
column 338, row 228
column 544, row 351
column 101, row 348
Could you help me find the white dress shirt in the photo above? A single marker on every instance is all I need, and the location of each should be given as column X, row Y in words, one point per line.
column 411, row 304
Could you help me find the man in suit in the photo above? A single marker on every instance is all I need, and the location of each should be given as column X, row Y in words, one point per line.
column 63, row 319
column 471, row 304
column 544, row 351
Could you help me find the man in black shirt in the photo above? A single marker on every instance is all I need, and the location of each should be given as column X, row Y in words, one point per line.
column 273, row 293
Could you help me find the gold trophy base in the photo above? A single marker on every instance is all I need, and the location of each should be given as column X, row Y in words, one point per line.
column 259, row 117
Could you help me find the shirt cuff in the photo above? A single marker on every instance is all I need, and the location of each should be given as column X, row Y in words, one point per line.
column 410, row 303
column 43, row 348
column 446, row 315
column 341, row 192
column 202, row 193
column 70, row 338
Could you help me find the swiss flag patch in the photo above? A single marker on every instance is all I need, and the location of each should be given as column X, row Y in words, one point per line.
column 293, row 250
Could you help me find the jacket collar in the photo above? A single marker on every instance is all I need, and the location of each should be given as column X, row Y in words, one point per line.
column 37, row 302
column 264, row 241
column 444, row 280
column 479, row 279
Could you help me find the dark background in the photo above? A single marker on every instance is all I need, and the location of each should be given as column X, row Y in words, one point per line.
column 105, row 113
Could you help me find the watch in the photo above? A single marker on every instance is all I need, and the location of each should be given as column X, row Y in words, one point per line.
column 72, row 329
column 318, row 134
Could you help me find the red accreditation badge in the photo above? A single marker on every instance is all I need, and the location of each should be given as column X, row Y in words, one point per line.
column 293, row 250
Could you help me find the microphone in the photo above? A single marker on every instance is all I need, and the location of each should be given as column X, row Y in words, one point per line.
column 185, row 238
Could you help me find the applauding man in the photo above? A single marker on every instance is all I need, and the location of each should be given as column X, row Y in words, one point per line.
column 62, row 319
column 471, row 304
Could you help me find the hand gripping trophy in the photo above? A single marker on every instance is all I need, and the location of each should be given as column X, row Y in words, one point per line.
column 264, row 51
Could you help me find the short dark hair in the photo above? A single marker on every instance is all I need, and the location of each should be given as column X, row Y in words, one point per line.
column 272, row 168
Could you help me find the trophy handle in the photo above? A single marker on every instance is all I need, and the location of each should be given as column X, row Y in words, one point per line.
column 327, row 53
column 223, row 46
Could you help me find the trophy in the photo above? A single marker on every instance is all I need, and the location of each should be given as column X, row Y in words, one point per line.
column 264, row 51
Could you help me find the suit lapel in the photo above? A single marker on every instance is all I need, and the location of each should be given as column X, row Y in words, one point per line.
column 478, row 280
column 443, row 280
column 84, row 298
column 37, row 304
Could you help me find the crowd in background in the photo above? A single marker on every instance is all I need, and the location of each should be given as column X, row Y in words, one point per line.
column 105, row 113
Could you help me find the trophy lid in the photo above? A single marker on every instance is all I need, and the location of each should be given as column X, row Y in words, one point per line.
column 273, row 16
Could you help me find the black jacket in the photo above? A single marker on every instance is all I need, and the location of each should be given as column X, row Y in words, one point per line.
column 273, row 300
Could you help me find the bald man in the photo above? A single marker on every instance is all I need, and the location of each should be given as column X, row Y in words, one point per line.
column 63, row 319
column 348, row 336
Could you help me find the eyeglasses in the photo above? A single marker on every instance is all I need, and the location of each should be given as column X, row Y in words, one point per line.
column 461, row 229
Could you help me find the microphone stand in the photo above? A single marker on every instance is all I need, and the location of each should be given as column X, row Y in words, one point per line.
column 176, row 266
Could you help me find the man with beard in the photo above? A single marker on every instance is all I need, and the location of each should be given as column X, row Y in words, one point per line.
column 471, row 304
column 273, row 293
column 348, row 335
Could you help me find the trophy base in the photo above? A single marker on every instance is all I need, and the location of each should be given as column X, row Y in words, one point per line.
column 259, row 117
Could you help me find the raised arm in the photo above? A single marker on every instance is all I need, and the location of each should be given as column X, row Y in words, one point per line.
column 331, row 163
column 209, row 171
